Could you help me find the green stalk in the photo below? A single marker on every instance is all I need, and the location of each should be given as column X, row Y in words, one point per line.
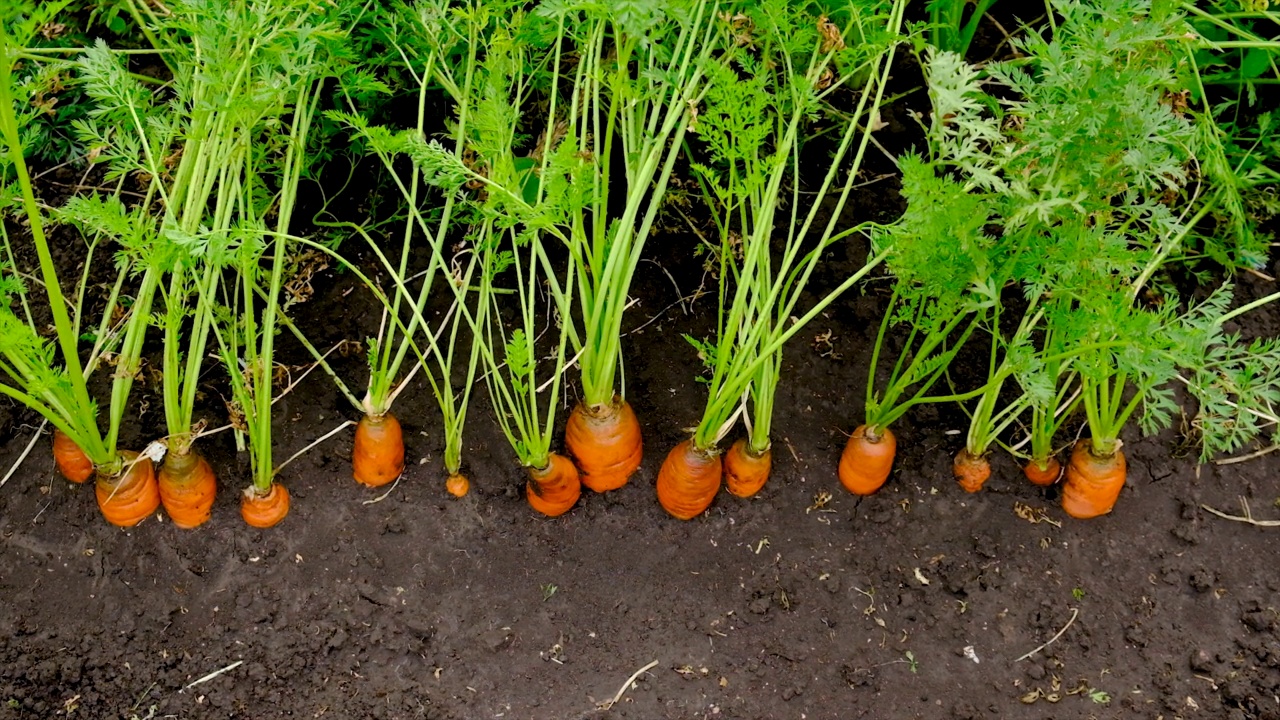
column 80, row 423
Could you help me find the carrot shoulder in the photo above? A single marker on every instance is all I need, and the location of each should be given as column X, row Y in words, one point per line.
column 71, row 460
column 746, row 472
column 867, row 460
column 689, row 480
column 554, row 489
column 1043, row 473
column 971, row 470
column 187, row 488
column 1093, row 483
column 264, row 510
column 128, row 497
column 605, row 444
column 457, row 485
column 378, row 456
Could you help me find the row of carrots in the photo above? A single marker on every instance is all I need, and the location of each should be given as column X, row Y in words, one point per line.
column 606, row 451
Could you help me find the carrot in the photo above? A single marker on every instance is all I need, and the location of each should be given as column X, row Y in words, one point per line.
column 457, row 485
column 554, row 489
column 604, row 443
column 689, row 480
column 378, row 457
column 1043, row 472
column 187, row 488
column 264, row 510
column 129, row 496
column 72, row 462
column 1093, row 483
column 744, row 471
column 971, row 471
column 867, row 460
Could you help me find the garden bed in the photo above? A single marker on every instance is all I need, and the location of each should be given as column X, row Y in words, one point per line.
column 784, row 606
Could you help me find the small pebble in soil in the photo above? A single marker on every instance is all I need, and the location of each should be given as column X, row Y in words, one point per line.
column 1202, row 662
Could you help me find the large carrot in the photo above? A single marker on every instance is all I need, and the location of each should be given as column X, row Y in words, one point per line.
column 604, row 443
column 129, row 495
column 1093, row 483
column 1043, row 472
column 689, row 480
column 264, row 511
column 457, row 485
column 187, row 488
column 378, row 457
column 554, row 489
column 72, row 462
column 745, row 472
column 867, row 460
column 971, row 470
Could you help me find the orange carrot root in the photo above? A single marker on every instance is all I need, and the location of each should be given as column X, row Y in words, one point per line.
column 265, row 510
column 378, row 457
column 457, row 485
column 689, row 480
column 744, row 471
column 971, row 470
column 72, row 462
column 1043, row 476
column 867, row 460
column 187, row 488
column 131, row 496
column 605, row 444
column 554, row 489
column 1092, row 483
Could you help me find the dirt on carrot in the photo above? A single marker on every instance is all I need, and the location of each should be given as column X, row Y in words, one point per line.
column 970, row 470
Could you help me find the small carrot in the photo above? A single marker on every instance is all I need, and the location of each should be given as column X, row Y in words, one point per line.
column 867, row 460
column 688, row 480
column 129, row 496
column 1043, row 472
column 378, row 457
column 266, row 509
column 554, row 489
column 604, row 443
column 1093, row 483
column 971, row 471
column 72, row 462
column 745, row 472
column 187, row 488
column 457, row 485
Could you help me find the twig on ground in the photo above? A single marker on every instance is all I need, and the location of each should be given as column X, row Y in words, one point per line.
column 18, row 463
column 1247, row 517
column 1074, row 613
column 213, row 675
column 625, row 686
column 322, row 438
column 1247, row 457
column 384, row 495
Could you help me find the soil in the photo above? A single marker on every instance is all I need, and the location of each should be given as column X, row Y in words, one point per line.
column 804, row 602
